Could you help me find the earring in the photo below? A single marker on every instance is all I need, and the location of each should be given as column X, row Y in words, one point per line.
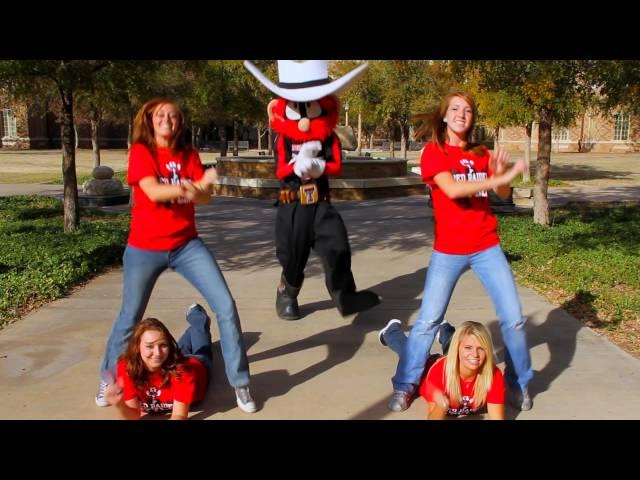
column 444, row 120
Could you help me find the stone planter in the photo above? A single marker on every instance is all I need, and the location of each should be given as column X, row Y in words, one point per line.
column 361, row 178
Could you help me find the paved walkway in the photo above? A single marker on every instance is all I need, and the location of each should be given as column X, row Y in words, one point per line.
column 322, row 366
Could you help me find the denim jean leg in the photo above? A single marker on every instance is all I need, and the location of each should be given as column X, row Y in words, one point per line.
column 186, row 345
column 395, row 338
column 442, row 275
column 196, row 340
column 141, row 271
column 196, row 263
column 494, row 272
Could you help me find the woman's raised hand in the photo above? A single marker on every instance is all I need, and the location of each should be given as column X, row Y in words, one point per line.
column 498, row 161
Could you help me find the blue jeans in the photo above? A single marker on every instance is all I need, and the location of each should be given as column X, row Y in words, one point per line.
column 197, row 264
column 396, row 339
column 492, row 268
column 196, row 340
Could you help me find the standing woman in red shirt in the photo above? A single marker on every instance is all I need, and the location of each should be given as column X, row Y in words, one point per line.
column 460, row 175
column 167, row 178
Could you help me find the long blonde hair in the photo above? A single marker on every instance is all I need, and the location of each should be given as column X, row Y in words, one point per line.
column 434, row 126
column 484, row 379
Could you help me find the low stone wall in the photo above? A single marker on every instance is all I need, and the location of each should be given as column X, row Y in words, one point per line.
column 361, row 178
column 352, row 167
column 336, row 193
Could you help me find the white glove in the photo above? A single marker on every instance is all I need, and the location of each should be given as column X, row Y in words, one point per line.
column 307, row 162
column 317, row 167
column 302, row 166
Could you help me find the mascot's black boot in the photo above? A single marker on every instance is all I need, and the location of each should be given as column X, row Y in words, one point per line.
column 354, row 302
column 286, row 301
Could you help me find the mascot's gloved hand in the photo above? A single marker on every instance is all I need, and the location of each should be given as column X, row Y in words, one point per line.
column 302, row 166
column 307, row 163
column 317, row 167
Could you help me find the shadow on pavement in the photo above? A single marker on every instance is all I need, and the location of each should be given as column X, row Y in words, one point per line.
column 342, row 344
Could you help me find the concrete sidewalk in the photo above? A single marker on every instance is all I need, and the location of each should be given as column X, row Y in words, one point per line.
column 10, row 189
column 322, row 366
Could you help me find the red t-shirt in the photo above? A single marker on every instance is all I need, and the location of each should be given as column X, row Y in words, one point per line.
column 462, row 225
column 189, row 387
column 436, row 380
column 167, row 225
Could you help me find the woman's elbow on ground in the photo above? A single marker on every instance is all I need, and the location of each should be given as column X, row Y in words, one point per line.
column 180, row 410
column 495, row 411
column 436, row 412
column 178, row 417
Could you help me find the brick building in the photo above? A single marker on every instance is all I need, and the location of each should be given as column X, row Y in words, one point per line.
column 592, row 132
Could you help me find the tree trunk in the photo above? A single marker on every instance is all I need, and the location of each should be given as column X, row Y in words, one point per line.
column 541, row 187
column 403, row 142
column 359, row 150
column 392, row 146
column 222, row 132
column 71, row 208
column 95, row 123
column 526, row 176
column 130, row 132
column 259, row 138
column 270, row 142
column 496, row 138
column 193, row 136
column 581, row 139
column 371, row 142
column 75, row 136
column 235, row 138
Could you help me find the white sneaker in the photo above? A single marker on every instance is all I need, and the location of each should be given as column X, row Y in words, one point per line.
column 101, row 401
column 244, row 400
column 437, row 337
column 383, row 331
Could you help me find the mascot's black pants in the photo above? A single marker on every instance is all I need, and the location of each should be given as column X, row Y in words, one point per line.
column 299, row 228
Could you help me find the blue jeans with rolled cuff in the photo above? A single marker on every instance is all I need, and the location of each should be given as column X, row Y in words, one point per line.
column 196, row 340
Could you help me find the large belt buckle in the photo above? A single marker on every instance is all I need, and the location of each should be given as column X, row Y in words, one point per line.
column 308, row 194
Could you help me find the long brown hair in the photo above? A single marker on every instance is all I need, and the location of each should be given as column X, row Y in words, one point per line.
column 133, row 361
column 433, row 124
column 143, row 126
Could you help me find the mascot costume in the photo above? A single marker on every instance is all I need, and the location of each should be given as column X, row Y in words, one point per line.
column 307, row 152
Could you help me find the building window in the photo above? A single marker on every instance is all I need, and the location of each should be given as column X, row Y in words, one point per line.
column 621, row 132
column 560, row 134
column 8, row 123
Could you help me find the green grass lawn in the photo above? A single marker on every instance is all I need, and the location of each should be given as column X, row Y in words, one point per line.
column 38, row 262
column 588, row 261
